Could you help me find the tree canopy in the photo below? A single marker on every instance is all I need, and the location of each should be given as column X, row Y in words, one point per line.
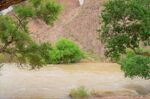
column 14, row 35
column 126, row 24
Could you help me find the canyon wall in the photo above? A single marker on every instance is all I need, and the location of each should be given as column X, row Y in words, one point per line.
column 78, row 23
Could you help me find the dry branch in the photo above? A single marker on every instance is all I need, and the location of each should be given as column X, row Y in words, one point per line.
column 6, row 3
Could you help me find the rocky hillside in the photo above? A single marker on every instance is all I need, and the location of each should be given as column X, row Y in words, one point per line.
column 76, row 22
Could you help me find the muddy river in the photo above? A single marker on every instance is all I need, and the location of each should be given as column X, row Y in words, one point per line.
column 55, row 81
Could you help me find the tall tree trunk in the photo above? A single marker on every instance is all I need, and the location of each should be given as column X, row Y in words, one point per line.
column 6, row 3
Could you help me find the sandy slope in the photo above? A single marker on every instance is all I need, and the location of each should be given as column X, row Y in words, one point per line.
column 75, row 22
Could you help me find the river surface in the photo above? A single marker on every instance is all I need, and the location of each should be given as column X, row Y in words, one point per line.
column 55, row 81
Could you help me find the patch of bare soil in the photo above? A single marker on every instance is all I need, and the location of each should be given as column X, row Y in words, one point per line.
column 76, row 22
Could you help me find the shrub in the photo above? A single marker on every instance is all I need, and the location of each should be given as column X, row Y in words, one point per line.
column 54, row 56
column 79, row 93
column 65, row 51
column 136, row 65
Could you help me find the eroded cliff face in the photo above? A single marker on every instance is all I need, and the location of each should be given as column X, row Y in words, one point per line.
column 76, row 22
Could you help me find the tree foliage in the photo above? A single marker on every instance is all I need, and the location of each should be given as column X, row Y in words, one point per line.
column 125, row 23
column 14, row 35
column 46, row 10
column 135, row 65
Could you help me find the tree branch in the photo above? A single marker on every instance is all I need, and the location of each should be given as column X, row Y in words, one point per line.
column 143, row 53
column 6, row 3
column 3, row 49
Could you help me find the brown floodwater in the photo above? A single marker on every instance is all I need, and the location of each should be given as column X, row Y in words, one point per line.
column 55, row 81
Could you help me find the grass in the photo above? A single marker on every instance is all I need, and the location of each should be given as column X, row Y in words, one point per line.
column 79, row 93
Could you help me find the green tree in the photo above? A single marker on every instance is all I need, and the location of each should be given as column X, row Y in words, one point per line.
column 14, row 35
column 126, row 23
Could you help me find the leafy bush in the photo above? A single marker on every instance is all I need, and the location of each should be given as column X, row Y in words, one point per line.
column 79, row 93
column 125, row 23
column 65, row 51
column 136, row 65
column 54, row 56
